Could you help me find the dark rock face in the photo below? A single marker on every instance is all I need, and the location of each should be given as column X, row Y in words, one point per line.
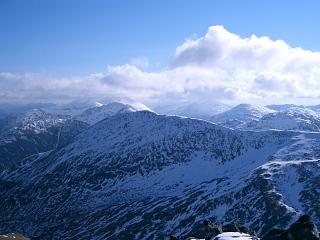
column 211, row 229
column 25, row 143
column 206, row 230
column 173, row 237
column 231, row 227
column 69, row 130
column 275, row 234
column 20, row 142
column 303, row 229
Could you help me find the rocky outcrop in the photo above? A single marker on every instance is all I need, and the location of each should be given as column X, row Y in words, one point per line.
column 13, row 236
column 303, row 229
column 235, row 236
column 276, row 233
column 209, row 231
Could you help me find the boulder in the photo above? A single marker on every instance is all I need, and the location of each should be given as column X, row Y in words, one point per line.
column 211, row 229
column 247, row 230
column 231, row 227
column 173, row 237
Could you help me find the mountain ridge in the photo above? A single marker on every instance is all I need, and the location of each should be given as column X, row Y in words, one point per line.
column 142, row 175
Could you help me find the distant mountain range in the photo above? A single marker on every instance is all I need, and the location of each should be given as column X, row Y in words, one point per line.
column 201, row 110
column 241, row 114
column 116, row 171
column 282, row 117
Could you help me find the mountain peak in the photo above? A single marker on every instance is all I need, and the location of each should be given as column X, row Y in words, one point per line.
column 98, row 113
column 241, row 114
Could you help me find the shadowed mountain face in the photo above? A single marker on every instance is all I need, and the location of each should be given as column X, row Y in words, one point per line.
column 141, row 175
column 32, row 133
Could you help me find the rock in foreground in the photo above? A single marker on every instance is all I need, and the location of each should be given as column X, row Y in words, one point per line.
column 13, row 236
column 303, row 229
column 233, row 236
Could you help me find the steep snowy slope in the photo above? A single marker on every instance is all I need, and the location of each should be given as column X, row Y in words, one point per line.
column 301, row 119
column 240, row 115
column 98, row 113
column 140, row 175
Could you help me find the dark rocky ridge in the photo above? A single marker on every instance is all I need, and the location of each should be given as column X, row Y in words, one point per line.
column 303, row 229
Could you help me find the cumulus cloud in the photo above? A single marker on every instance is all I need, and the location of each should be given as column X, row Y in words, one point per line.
column 140, row 62
column 218, row 66
column 270, row 68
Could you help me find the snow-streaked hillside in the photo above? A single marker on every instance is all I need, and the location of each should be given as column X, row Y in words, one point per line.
column 140, row 175
column 240, row 115
column 315, row 108
column 34, row 132
column 301, row 119
column 35, row 121
column 284, row 107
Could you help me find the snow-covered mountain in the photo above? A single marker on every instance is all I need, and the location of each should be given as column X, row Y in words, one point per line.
column 201, row 110
column 140, row 175
column 241, row 114
column 301, row 119
column 77, row 107
column 285, row 107
column 72, row 108
column 98, row 113
column 36, row 131
column 315, row 108
column 31, row 133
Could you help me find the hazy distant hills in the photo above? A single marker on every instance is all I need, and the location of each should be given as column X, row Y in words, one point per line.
column 282, row 117
column 201, row 110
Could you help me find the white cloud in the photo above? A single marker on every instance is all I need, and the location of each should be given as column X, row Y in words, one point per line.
column 140, row 62
column 218, row 66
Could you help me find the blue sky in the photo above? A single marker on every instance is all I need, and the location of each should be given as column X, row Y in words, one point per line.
column 77, row 37
column 160, row 52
